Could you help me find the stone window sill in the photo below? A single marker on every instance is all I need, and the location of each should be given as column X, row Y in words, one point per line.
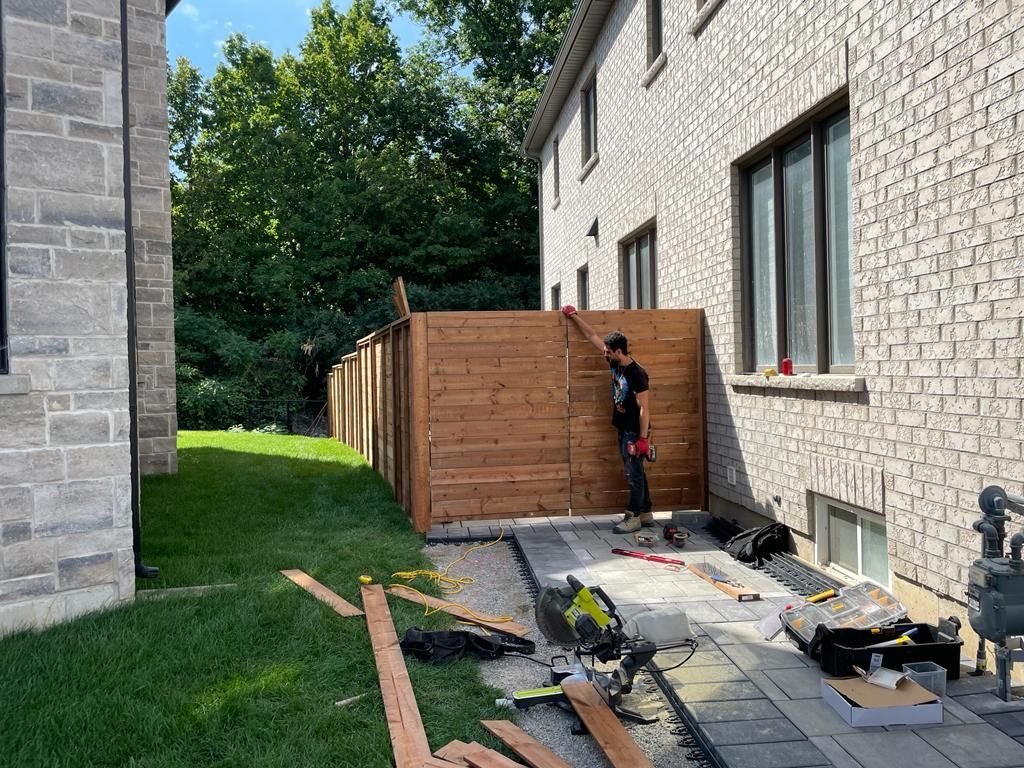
column 594, row 158
column 15, row 384
column 817, row 383
column 703, row 15
column 558, row 202
column 652, row 71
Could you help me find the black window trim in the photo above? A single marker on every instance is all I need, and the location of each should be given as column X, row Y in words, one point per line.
column 555, row 166
column 774, row 151
column 655, row 30
column 649, row 228
column 590, row 85
column 583, row 287
column 556, row 295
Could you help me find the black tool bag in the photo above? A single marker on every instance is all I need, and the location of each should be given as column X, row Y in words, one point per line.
column 453, row 645
column 755, row 544
column 840, row 650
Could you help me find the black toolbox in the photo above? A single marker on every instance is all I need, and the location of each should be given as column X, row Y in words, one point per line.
column 839, row 650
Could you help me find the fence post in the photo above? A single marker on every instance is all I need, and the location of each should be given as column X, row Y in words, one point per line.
column 420, row 429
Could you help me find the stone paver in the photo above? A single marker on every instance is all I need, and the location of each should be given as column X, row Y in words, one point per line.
column 728, row 711
column 719, row 673
column 988, row 704
column 798, row 683
column 718, row 691
column 764, row 656
column 838, row 756
column 976, row 746
column 734, row 633
column 1011, row 723
column 752, row 732
column 784, row 754
column 815, row 718
column 899, row 749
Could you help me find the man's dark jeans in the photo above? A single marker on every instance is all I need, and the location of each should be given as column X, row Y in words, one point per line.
column 639, row 495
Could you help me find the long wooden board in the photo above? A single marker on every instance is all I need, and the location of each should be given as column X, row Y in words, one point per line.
column 617, row 745
column 341, row 606
column 535, row 754
column 509, row 628
column 488, row 758
column 408, row 739
column 739, row 593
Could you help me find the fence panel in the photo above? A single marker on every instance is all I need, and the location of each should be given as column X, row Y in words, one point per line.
column 499, row 415
column 669, row 345
column 485, row 415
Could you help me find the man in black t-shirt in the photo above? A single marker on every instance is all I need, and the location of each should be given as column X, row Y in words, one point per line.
column 631, row 417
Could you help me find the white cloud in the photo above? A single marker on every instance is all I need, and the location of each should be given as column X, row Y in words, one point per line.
column 188, row 10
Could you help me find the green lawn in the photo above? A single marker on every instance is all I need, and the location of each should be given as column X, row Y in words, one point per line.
column 243, row 677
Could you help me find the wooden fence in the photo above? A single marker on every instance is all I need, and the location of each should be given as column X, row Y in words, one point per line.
column 485, row 415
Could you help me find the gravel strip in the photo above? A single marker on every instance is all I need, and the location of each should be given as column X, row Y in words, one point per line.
column 498, row 590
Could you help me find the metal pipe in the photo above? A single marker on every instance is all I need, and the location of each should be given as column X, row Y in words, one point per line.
column 1016, row 544
column 990, row 546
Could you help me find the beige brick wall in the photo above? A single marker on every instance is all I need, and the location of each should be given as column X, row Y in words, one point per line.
column 65, row 487
column 151, row 220
column 936, row 95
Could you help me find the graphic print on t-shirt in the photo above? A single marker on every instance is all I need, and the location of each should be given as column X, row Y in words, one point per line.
column 620, row 388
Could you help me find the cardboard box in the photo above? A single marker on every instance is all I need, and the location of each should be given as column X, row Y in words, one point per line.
column 860, row 703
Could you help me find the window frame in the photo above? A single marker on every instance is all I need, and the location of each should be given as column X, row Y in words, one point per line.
column 813, row 129
column 655, row 30
column 588, row 119
column 556, row 295
column 822, row 547
column 583, row 287
column 633, row 239
column 556, row 171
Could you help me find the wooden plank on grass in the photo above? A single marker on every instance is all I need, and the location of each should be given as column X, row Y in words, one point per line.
column 482, row 757
column 436, row 762
column 535, row 754
column 453, row 752
column 408, row 739
column 616, row 743
column 341, row 606
column 509, row 628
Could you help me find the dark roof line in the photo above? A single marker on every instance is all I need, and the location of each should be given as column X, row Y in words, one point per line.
column 170, row 6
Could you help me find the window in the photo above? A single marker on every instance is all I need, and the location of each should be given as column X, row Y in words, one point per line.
column 797, row 242
column 638, row 267
column 556, row 296
column 582, row 288
column 554, row 164
column 588, row 117
column 655, row 33
column 853, row 541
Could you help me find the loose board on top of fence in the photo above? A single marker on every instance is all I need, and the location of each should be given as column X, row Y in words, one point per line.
column 669, row 345
column 499, row 415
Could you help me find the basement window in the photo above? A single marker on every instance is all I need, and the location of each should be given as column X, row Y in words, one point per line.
column 852, row 541
column 556, row 296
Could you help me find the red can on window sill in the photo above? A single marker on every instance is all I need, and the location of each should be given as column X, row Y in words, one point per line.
column 787, row 367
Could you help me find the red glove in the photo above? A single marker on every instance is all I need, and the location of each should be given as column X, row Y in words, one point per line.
column 568, row 310
column 643, row 447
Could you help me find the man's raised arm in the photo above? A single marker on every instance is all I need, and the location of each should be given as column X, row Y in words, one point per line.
column 570, row 311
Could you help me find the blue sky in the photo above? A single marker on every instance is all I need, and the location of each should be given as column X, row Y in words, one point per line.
column 197, row 28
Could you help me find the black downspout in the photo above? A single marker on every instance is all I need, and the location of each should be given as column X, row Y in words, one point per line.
column 4, row 353
column 141, row 571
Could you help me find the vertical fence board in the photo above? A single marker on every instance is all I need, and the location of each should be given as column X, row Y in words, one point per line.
column 419, row 431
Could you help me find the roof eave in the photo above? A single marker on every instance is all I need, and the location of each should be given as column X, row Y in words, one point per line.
column 584, row 28
column 169, row 6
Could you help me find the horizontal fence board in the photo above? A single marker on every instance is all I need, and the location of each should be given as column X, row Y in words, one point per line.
column 604, row 479
column 498, row 426
column 497, row 333
column 499, row 396
column 443, row 413
column 498, row 474
column 603, row 407
column 499, row 457
column 499, row 490
column 515, row 506
column 495, row 442
column 554, row 348
column 503, row 380
column 616, row 501
column 580, row 347
column 472, row 366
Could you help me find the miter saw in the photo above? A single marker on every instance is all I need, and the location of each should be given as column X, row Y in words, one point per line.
column 586, row 620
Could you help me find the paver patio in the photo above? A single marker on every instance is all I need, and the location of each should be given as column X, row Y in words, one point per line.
column 756, row 703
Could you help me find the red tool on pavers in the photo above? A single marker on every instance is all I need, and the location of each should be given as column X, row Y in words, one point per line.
column 651, row 558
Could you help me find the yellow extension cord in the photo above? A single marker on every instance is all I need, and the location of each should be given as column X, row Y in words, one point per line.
column 450, row 585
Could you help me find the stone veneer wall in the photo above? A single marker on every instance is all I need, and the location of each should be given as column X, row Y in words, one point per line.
column 151, row 214
column 936, row 95
column 65, row 514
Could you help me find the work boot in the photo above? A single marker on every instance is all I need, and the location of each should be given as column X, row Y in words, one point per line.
column 632, row 523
